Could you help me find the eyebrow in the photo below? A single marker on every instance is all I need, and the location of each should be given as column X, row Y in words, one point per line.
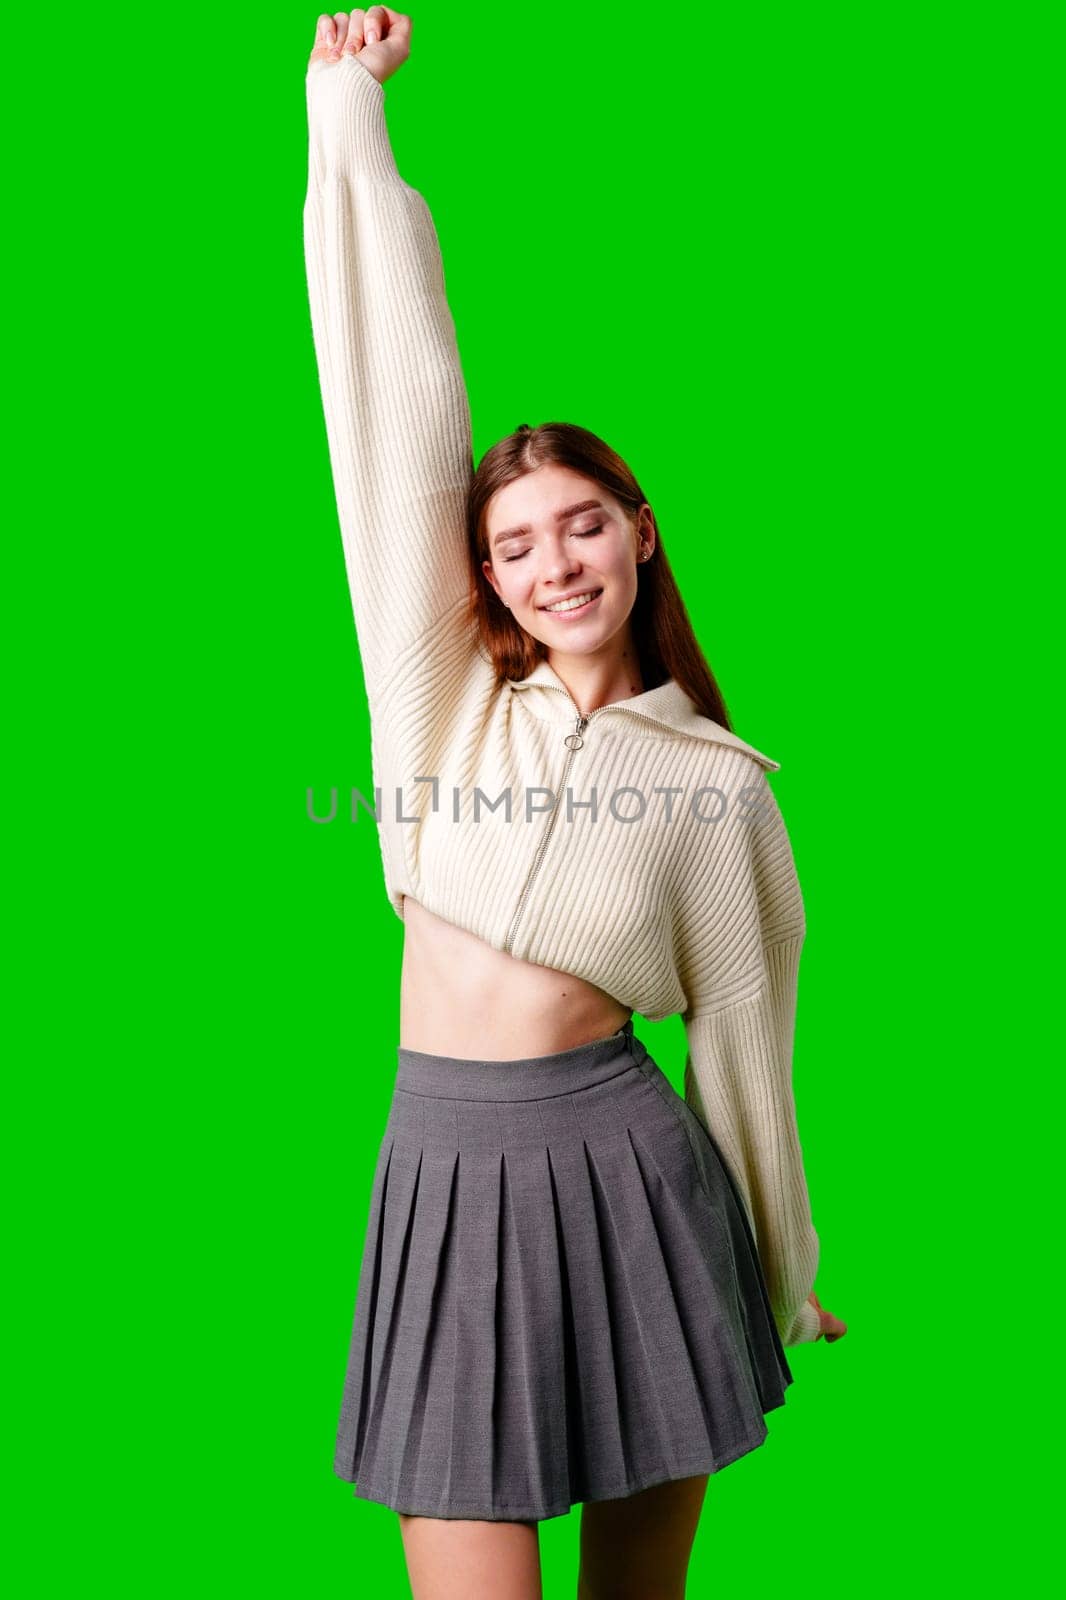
column 560, row 516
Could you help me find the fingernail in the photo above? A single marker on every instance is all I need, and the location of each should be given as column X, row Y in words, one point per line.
column 371, row 35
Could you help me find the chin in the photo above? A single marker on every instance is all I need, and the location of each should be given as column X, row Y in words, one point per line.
column 586, row 646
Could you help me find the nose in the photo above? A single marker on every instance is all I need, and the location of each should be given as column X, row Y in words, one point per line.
column 559, row 563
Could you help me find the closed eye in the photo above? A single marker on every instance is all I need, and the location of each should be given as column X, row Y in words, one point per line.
column 586, row 533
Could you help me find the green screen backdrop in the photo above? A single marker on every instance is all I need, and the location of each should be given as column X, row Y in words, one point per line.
column 795, row 265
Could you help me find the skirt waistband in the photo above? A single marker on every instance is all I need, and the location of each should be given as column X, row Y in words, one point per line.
column 526, row 1078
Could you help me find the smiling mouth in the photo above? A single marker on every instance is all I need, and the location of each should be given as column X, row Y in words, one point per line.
column 572, row 610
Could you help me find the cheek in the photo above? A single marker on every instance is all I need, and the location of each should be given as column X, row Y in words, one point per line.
column 618, row 566
column 513, row 582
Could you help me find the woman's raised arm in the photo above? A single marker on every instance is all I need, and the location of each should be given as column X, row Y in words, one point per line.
column 396, row 410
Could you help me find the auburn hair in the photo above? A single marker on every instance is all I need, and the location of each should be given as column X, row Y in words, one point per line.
column 664, row 636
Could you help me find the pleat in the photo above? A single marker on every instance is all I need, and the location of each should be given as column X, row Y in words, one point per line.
column 698, row 1256
column 594, row 1400
column 356, row 1395
column 404, row 1172
column 638, row 1297
column 467, row 1342
column 410, row 1430
column 533, row 1387
column 766, row 1357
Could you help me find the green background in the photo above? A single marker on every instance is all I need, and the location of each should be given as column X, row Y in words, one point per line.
column 794, row 266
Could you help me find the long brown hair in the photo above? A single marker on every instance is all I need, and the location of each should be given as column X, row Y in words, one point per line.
column 664, row 637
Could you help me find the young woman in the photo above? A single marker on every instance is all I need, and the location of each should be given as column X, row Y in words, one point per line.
column 576, row 1284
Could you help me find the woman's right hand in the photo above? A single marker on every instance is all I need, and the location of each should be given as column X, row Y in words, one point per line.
column 832, row 1328
column 379, row 36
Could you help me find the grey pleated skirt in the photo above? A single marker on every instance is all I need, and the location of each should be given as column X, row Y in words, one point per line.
column 559, row 1298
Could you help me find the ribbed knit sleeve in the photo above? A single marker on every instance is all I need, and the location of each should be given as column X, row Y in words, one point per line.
column 738, row 1069
column 396, row 410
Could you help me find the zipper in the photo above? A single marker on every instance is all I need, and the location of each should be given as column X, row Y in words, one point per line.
column 573, row 742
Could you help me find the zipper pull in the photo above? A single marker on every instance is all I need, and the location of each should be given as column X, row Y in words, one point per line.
column 574, row 741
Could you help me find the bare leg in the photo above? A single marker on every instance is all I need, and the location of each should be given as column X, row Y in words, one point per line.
column 638, row 1548
column 452, row 1559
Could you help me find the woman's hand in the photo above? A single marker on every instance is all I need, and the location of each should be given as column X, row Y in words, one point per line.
column 832, row 1327
column 380, row 37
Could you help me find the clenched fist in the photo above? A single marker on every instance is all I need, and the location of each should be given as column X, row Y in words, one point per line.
column 380, row 37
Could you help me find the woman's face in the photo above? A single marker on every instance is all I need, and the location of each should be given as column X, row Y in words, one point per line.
column 544, row 550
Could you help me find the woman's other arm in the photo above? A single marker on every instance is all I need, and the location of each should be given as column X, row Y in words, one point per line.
column 396, row 410
column 738, row 1080
column 740, row 1029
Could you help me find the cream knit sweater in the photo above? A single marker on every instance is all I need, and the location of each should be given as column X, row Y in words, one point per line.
column 648, row 855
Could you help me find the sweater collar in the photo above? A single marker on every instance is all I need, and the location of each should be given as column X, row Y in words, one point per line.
column 667, row 705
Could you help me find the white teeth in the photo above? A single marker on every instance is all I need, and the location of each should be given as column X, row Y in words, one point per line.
column 575, row 601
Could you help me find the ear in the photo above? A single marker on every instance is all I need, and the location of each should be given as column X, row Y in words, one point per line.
column 486, row 567
column 645, row 528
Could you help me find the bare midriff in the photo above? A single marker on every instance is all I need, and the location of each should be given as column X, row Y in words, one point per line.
column 461, row 997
